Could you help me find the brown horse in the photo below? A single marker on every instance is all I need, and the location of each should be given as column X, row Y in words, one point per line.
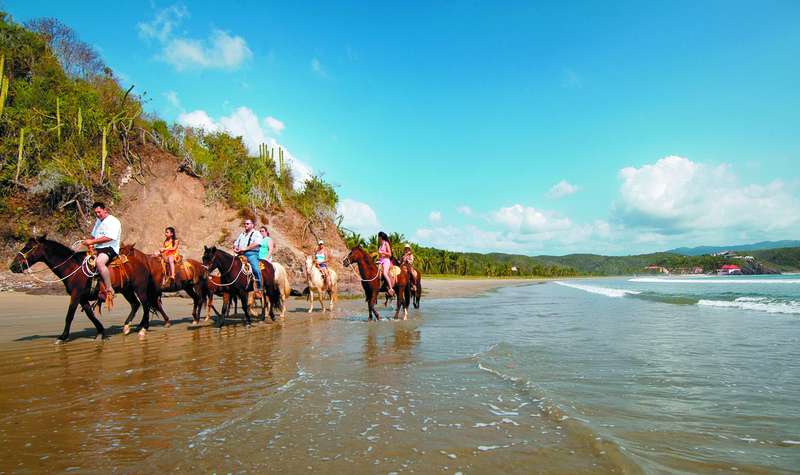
column 415, row 289
column 189, row 275
column 131, row 279
column 239, row 283
column 211, row 287
column 373, row 283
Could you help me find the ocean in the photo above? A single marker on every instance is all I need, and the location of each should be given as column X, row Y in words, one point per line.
column 622, row 375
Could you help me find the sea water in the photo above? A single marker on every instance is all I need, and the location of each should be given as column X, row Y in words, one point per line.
column 622, row 375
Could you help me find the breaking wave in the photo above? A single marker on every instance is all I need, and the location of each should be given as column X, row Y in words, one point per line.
column 608, row 292
column 760, row 304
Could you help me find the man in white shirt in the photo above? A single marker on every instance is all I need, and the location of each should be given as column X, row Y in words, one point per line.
column 248, row 244
column 106, row 236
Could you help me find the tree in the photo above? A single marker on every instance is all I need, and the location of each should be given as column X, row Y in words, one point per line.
column 78, row 59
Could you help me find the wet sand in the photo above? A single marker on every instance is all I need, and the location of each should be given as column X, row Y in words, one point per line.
column 319, row 392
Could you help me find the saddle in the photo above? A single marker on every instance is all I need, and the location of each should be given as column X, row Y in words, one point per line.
column 180, row 263
column 246, row 267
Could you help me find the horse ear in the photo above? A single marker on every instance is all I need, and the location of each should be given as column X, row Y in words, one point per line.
column 205, row 248
column 42, row 237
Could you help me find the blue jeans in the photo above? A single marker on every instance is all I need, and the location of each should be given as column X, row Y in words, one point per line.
column 252, row 258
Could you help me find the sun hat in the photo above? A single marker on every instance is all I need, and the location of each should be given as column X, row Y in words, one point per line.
column 321, row 242
column 407, row 246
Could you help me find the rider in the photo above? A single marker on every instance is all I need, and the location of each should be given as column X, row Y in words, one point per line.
column 106, row 235
column 321, row 260
column 385, row 258
column 247, row 244
column 170, row 250
column 267, row 245
column 408, row 258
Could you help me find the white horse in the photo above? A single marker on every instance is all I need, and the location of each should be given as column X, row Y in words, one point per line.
column 315, row 281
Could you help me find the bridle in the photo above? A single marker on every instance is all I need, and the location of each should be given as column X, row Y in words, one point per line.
column 84, row 266
column 349, row 263
column 235, row 279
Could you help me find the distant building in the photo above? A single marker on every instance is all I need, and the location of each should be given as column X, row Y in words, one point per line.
column 655, row 268
column 724, row 254
column 730, row 269
column 697, row 270
column 514, row 269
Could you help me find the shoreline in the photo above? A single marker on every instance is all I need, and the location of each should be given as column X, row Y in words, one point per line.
column 34, row 316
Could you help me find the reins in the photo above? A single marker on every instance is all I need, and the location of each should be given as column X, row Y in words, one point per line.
column 377, row 273
column 241, row 270
column 84, row 266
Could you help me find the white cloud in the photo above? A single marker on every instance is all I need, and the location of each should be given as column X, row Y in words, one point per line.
column 317, row 67
column 160, row 27
column 172, row 98
column 676, row 195
column 220, row 50
column 465, row 210
column 528, row 220
column 561, row 189
column 276, row 125
column 435, row 217
column 244, row 123
column 358, row 216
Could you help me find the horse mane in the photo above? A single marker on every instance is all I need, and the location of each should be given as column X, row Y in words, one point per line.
column 60, row 251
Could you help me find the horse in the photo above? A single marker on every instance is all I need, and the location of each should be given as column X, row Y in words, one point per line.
column 189, row 275
column 283, row 287
column 416, row 286
column 315, row 281
column 130, row 278
column 371, row 280
column 233, row 275
column 211, row 287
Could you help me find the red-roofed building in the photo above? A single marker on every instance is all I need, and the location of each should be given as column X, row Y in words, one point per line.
column 730, row 269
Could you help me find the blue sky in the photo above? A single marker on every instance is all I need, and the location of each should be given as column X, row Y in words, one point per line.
column 610, row 127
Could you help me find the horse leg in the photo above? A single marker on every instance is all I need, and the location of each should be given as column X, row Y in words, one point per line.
column 310, row 297
column 134, row 303
column 372, row 301
column 87, row 309
column 73, row 305
column 147, row 304
column 321, row 302
column 196, row 303
column 245, row 307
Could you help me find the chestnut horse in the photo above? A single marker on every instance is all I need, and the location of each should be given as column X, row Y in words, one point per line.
column 131, row 279
column 232, row 275
column 373, row 283
column 188, row 280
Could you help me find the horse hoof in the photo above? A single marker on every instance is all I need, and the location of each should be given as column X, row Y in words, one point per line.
column 59, row 341
column 100, row 337
column 167, row 324
column 142, row 333
column 126, row 329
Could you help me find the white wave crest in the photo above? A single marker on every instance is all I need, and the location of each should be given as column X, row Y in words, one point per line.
column 667, row 280
column 608, row 292
column 760, row 304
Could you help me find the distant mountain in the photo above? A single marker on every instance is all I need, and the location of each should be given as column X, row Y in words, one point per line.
column 700, row 250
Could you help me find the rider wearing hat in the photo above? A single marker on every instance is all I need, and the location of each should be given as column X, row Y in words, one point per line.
column 321, row 260
column 248, row 244
column 408, row 258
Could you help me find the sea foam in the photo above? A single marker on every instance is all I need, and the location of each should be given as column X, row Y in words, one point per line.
column 608, row 292
column 667, row 280
column 760, row 304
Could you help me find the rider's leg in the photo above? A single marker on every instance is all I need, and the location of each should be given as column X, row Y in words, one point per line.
column 389, row 281
column 171, row 259
column 252, row 257
column 102, row 268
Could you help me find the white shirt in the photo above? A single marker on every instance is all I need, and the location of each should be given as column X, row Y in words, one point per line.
column 110, row 228
column 247, row 239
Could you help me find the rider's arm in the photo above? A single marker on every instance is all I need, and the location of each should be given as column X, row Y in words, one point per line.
column 271, row 247
column 175, row 245
column 99, row 240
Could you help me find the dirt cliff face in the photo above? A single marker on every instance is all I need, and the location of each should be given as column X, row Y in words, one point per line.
column 167, row 197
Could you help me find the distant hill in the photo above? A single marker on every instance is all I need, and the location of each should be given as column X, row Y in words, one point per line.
column 700, row 250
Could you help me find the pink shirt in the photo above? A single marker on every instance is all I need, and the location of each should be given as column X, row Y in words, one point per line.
column 385, row 250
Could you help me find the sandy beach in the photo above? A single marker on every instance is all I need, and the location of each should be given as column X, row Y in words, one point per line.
column 32, row 318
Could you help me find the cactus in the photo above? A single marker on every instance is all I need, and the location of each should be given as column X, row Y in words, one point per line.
column 80, row 121
column 104, row 153
column 19, row 155
column 3, row 85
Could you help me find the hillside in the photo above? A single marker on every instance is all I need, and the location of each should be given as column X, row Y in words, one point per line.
column 700, row 250
column 784, row 259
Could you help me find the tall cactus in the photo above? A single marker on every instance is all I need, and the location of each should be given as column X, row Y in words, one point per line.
column 104, row 153
column 3, row 85
column 80, row 121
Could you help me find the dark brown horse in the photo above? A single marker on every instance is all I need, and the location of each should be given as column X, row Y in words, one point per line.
column 373, row 283
column 189, row 276
column 131, row 279
column 239, row 283
column 415, row 289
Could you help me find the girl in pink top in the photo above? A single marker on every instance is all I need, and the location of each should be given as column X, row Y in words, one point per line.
column 385, row 258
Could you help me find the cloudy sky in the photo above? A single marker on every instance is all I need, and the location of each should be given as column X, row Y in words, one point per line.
column 610, row 127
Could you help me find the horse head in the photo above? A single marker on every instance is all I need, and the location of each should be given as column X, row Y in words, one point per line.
column 31, row 253
column 127, row 249
column 356, row 254
column 208, row 258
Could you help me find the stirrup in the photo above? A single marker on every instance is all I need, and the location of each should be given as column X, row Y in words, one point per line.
column 109, row 300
